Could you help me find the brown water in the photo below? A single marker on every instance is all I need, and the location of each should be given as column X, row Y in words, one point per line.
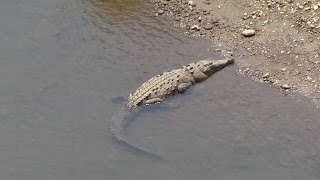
column 64, row 63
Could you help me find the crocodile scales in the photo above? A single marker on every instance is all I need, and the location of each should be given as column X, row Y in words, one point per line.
column 160, row 87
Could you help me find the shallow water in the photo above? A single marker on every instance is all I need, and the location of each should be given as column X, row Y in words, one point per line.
column 64, row 66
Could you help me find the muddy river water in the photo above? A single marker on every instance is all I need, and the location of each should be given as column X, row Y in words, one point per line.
column 64, row 66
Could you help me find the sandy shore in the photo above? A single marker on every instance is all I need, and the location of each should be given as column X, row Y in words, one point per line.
column 273, row 41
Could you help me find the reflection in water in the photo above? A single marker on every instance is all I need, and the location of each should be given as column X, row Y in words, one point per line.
column 117, row 7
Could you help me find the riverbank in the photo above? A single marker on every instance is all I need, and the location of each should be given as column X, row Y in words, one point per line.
column 281, row 47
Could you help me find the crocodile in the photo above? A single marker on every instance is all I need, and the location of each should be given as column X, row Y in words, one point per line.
column 160, row 87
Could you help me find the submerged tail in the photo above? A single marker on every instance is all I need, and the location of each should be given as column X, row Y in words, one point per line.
column 117, row 127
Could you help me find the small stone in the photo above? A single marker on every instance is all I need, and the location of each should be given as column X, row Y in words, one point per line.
column 191, row 3
column 283, row 69
column 208, row 26
column 195, row 27
column 248, row 32
column 160, row 11
column 315, row 7
column 285, row 86
column 266, row 75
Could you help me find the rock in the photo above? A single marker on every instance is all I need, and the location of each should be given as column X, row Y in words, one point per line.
column 191, row 3
column 160, row 11
column 248, row 32
column 208, row 26
column 285, row 86
column 266, row 75
column 195, row 27
column 299, row 6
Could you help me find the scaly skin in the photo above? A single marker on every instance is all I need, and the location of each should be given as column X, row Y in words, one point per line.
column 158, row 88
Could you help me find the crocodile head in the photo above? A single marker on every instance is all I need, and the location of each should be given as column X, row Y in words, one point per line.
column 211, row 66
column 201, row 70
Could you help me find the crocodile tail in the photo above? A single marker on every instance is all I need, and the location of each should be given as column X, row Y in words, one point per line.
column 117, row 130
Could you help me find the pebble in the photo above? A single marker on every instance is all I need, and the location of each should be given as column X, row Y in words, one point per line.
column 195, row 27
column 191, row 3
column 266, row 75
column 315, row 7
column 248, row 32
column 285, row 86
column 160, row 11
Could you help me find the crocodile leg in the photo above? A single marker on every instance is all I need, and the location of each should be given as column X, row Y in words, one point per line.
column 153, row 101
column 184, row 86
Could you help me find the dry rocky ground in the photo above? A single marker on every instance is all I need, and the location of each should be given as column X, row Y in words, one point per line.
column 274, row 41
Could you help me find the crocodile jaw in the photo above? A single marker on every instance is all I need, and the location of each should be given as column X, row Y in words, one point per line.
column 212, row 66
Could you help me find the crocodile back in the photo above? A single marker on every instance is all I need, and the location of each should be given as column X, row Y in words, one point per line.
column 160, row 86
